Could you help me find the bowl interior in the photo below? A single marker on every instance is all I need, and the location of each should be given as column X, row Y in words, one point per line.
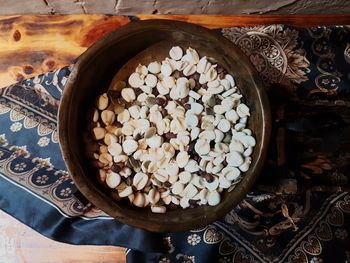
column 92, row 75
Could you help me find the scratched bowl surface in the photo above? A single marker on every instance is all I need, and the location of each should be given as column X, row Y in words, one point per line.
column 92, row 75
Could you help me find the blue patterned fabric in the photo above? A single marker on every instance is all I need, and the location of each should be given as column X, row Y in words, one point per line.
column 299, row 210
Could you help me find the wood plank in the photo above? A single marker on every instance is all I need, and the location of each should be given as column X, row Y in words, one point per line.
column 218, row 21
column 20, row 244
column 31, row 45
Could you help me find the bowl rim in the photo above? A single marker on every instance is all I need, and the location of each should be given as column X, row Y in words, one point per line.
column 86, row 187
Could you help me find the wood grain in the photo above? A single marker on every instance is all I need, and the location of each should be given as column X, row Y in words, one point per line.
column 218, row 21
column 21, row 244
column 31, row 45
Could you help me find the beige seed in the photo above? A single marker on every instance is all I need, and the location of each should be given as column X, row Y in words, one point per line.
column 202, row 147
column 245, row 166
column 227, row 104
column 225, row 83
column 113, row 180
column 181, row 91
column 125, row 192
column 168, row 150
column 202, row 79
column 93, row 115
column 155, row 141
column 162, row 89
column 139, row 200
column 128, row 94
column 212, row 186
column 189, row 191
column 194, row 95
column 154, row 67
column 124, row 116
column 192, row 166
column 219, row 135
column 231, row 173
column 234, row 159
column 184, row 202
column 189, row 70
column 219, row 159
column 114, row 149
column 134, row 111
column 216, row 90
column 247, row 131
column 191, row 121
column 166, row 69
column 230, row 79
column 98, row 133
column 224, row 125
column 203, row 65
column 175, row 200
column 213, row 84
column 167, row 199
column 144, row 112
column 239, row 126
column 213, row 198
column 153, row 196
column 102, row 175
column 217, row 168
column 248, row 141
column 152, row 167
column 129, row 146
column 150, row 132
column 236, row 146
column 192, row 55
column 120, row 158
column 229, row 92
column 248, row 152
column 140, row 180
column 185, row 177
column 196, row 108
column 151, row 80
column 128, row 129
column 242, row 110
column 207, row 135
column 110, row 138
column 142, row 70
column 125, row 172
column 135, row 80
column 177, row 188
column 102, row 101
column 219, row 109
column 211, row 73
column 103, row 149
column 176, row 53
column 168, row 82
column 198, row 182
column 194, row 133
column 158, row 209
column 155, row 154
column 182, row 159
column 172, row 169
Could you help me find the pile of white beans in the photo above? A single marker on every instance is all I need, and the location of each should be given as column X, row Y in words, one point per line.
column 173, row 135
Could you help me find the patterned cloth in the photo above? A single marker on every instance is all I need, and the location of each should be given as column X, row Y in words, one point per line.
column 299, row 210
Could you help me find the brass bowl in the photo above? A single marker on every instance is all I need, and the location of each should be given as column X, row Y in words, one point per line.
column 92, row 75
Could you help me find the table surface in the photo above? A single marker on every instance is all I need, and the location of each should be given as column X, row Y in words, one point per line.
column 30, row 45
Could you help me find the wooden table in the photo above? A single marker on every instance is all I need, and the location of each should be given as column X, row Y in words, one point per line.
column 30, row 45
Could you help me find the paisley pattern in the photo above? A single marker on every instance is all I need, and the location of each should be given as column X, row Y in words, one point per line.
column 299, row 210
